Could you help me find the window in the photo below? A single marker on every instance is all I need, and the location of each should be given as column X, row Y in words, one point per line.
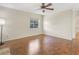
column 33, row 23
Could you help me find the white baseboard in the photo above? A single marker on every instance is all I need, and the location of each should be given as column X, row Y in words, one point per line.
column 14, row 38
column 60, row 36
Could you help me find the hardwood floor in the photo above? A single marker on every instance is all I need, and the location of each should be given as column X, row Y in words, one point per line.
column 39, row 45
column 75, row 45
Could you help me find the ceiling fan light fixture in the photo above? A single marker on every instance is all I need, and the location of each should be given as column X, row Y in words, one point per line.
column 45, row 7
column 43, row 11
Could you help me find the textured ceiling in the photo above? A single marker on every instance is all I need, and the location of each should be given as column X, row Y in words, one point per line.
column 34, row 7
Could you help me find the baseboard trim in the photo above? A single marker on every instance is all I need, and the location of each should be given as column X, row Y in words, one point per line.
column 36, row 36
column 23, row 37
column 56, row 37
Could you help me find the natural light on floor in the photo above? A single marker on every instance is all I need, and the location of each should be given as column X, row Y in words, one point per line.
column 34, row 47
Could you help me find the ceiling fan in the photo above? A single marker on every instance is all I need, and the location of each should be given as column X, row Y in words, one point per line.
column 46, row 7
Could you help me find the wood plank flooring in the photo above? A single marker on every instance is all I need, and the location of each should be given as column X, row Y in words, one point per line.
column 39, row 45
column 75, row 44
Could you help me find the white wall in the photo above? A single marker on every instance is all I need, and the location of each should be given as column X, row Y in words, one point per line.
column 17, row 23
column 59, row 24
column 77, row 21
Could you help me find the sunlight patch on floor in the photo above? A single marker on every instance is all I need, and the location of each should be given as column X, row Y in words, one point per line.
column 34, row 47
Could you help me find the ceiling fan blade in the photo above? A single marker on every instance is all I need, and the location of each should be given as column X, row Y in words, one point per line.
column 49, row 8
column 48, row 4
